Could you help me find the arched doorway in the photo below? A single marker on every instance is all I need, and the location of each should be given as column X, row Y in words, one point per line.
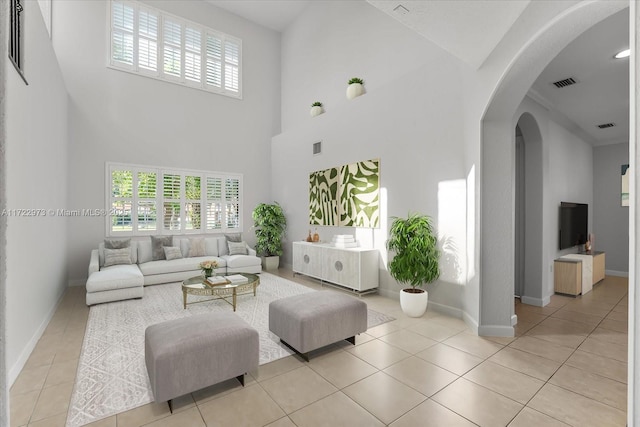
column 529, row 280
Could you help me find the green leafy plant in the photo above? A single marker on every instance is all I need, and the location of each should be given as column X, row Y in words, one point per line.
column 317, row 104
column 356, row 80
column 270, row 224
column 416, row 260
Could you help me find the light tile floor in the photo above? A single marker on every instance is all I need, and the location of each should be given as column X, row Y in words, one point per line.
column 567, row 365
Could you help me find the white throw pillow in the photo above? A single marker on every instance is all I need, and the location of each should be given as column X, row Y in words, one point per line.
column 237, row 248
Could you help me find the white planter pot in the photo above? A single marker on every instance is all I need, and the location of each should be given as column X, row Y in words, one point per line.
column 354, row 90
column 270, row 262
column 414, row 305
column 316, row 111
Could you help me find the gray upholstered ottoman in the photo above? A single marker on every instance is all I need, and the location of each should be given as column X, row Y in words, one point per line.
column 185, row 355
column 309, row 321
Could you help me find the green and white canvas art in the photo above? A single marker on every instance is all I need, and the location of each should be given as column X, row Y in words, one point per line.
column 346, row 196
column 323, row 197
column 359, row 194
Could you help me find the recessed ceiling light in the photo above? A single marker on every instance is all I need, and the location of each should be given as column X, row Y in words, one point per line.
column 622, row 54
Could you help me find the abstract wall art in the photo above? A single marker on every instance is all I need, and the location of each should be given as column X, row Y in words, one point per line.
column 347, row 196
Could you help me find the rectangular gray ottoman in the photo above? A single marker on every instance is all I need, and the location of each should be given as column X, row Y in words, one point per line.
column 309, row 321
column 185, row 355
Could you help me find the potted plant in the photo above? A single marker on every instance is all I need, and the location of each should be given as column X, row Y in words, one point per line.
column 416, row 260
column 355, row 87
column 270, row 224
column 316, row 109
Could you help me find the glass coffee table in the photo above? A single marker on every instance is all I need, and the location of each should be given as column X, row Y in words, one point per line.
column 199, row 286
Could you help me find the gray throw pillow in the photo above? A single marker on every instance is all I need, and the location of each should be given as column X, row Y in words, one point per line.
column 117, row 243
column 116, row 256
column 234, row 237
column 237, row 248
column 172, row 252
column 197, row 247
column 157, row 245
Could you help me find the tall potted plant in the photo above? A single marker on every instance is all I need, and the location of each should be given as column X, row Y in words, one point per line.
column 270, row 224
column 416, row 260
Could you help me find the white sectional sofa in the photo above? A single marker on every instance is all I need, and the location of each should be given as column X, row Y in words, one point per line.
column 126, row 280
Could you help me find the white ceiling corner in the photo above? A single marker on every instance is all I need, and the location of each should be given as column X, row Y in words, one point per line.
column 468, row 29
column 273, row 14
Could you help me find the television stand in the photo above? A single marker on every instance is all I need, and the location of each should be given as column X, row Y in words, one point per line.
column 593, row 267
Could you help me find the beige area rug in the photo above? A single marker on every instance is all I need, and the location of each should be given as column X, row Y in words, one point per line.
column 112, row 376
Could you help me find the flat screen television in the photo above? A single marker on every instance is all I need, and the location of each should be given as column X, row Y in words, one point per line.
column 573, row 224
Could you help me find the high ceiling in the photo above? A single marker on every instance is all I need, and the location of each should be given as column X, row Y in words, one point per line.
column 601, row 94
column 471, row 29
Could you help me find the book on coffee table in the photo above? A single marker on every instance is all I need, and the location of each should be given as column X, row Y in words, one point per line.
column 217, row 280
column 237, row 279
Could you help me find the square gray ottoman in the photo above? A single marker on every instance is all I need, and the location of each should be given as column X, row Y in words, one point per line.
column 309, row 321
column 185, row 355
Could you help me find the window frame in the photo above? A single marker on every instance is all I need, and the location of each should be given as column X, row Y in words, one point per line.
column 183, row 200
column 159, row 74
column 16, row 36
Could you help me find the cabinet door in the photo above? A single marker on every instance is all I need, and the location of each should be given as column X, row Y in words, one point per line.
column 342, row 267
column 307, row 259
column 598, row 267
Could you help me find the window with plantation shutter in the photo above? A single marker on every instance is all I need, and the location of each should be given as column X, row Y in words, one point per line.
column 189, row 201
column 153, row 43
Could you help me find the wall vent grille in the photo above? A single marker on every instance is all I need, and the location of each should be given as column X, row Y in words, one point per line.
column 566, row 82
column 606, row 125
column 317, row 148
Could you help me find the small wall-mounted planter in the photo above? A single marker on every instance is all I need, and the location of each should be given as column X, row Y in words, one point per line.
column 355, row 88
column 316, row 110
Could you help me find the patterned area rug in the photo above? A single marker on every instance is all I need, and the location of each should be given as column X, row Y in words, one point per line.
column 112, row 376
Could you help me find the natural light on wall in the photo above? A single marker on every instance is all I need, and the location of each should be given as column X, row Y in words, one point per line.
column 471, row 223
column 452, row 212
column 376, row 237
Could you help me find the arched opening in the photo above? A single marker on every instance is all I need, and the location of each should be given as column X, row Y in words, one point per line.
column 497, row 175
column 529, row 280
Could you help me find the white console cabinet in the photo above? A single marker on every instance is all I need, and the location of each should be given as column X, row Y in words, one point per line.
column 353, row 268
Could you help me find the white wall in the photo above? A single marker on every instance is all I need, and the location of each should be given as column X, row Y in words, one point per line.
column 36, row 156
column 610, row 219
column 121, row 117
column 410, row 118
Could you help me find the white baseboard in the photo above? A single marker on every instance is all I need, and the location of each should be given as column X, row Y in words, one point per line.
column 538, row 302
column 26, row 352
column 496, row 331
column 470, row 321
column 446, row 309
column 616, row 273
column 388, row 293
column 514, row 320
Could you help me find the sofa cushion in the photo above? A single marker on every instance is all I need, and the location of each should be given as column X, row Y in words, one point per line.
column 117, row 243
column 177, row 265
column 115, row 277
column 117, row 256
column 241, row 261
column 212, row 246
column 133, row 247
column 157, row 243
column 197, row 247
column 233, row 237
column 237, row 248
column 223, row 246
column 172, row 252
column 144, row 251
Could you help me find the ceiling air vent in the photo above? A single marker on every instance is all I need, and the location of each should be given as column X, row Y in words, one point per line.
column 317, row 148
column 566, row 82
column 606, row 125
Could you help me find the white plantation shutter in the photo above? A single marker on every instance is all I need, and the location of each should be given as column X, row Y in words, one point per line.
column 151, row 42
column 192, row 57
column 122, row 20
column 232, row 198
column 232, row 66
column 171, row 189
column 189, row 201
column 148, row 40
column 214, row 203
column 172, row 48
